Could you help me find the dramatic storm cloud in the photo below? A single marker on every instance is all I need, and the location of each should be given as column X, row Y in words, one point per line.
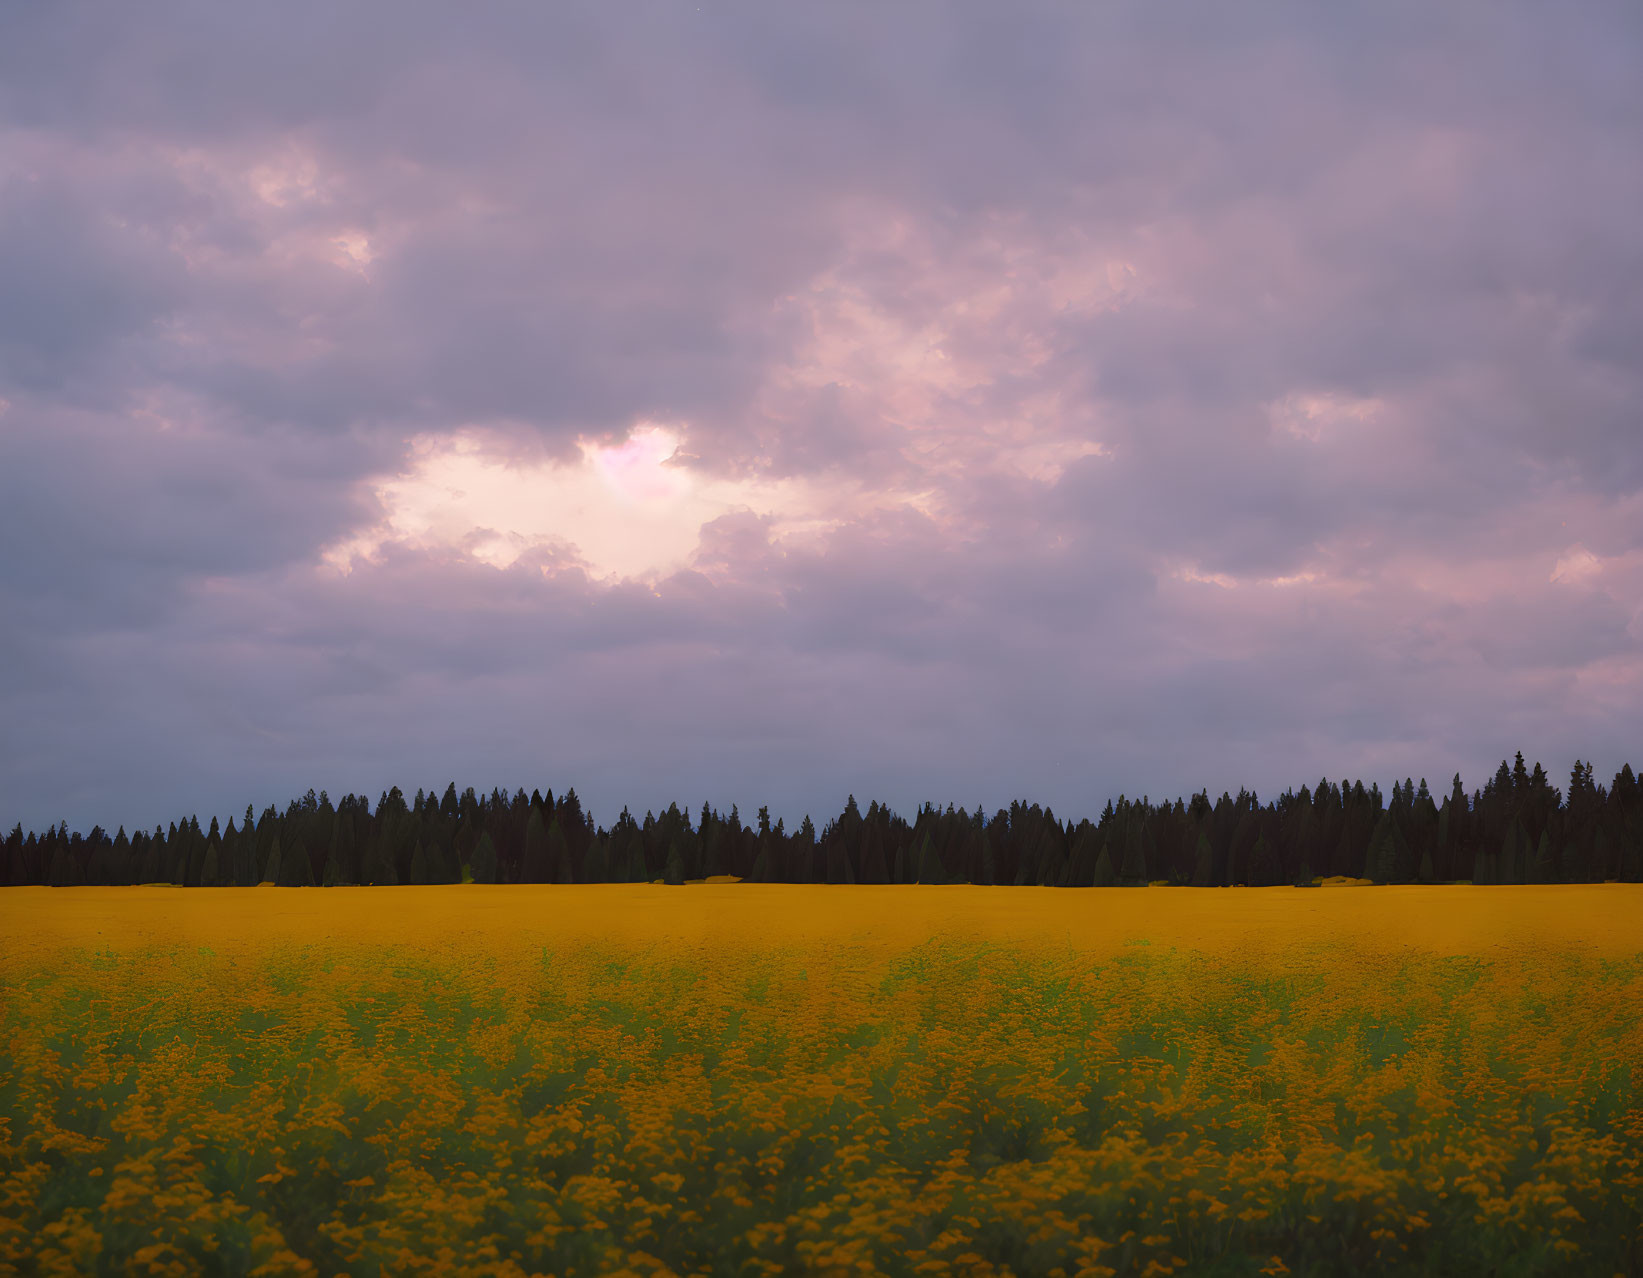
column 758, row 404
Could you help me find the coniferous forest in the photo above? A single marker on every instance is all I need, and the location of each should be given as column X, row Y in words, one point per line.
column 1519, row 828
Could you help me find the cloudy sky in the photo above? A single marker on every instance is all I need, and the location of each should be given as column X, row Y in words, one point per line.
column 762, row 403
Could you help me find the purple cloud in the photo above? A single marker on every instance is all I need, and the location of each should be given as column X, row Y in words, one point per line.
column 693, row 404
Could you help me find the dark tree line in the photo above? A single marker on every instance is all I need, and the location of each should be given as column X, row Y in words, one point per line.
column 1519, row 828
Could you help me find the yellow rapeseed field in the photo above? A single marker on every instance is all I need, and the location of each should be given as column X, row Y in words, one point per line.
column 765, row 1079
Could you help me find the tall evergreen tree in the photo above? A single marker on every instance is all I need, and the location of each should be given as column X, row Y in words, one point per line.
column 153, row 850
column 987, row 866
column 1203, row 868
column 1135, row 871
column 596, row 862
column 1543, row 869
column 64, row 871
column 484, row 862
column 379, row 864
column 838, row 863
column 1264, row 867
column 296, row 869
column 559, row 867
column 930, row 869
column 873, row 866
column 1086, row 846
column 536, row 867
column 1631, row 852
column 275, row 867
column 1381, row 860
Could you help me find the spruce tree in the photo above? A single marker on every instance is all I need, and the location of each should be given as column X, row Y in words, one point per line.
column 1086, row 846
column 383, row 870
column 873, row 866
column 1379, row 861
column 1135, row 872
column 484, row 862
column 1026, row 867
column 176, row 854
column 1403, row 856
column 1544, row 867
column 1051, row 861
column 1514, row 855
column 272, row 871
column 442, row 860
column 344, row 849
column 596, row 862
column 1264, row 870
column 930, row 869
column 988, row 871
column 1345, row 849
column 296, row 870
column 1631, row 853
column 638, row 869
column 535, row 868
column 63, row 872
column 1203, row 869
column 715, row 860
column 150, row 871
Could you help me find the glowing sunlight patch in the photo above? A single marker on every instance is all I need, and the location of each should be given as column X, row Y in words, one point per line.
column 624, row 510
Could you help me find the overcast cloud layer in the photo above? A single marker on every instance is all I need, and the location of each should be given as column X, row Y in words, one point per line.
column 759, row 404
